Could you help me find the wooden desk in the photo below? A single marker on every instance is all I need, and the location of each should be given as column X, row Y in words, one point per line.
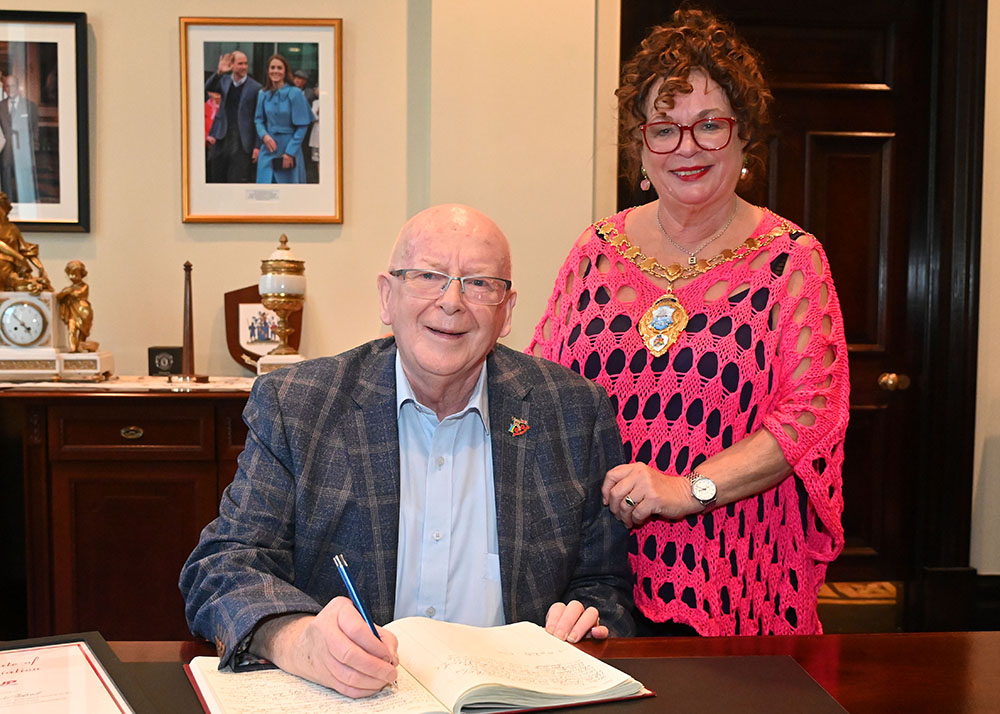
column 877, row 673
column 116, row 489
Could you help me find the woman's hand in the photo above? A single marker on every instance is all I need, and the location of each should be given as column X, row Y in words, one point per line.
column 653, row 493
column 287, row 161
column 270, row 143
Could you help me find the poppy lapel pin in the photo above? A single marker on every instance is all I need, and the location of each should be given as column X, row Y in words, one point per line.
column 517, row 426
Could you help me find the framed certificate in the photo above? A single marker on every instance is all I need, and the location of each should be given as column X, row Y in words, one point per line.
column 67, row 673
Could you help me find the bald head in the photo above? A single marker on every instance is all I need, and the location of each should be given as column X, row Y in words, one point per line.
column 455, row 223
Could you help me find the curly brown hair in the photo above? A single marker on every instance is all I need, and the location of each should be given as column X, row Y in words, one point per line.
column 693, row 39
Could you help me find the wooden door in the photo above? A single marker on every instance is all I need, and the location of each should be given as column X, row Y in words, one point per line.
column 857, row 101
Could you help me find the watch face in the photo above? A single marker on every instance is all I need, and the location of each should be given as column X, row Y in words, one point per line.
column 703, row 489
column 22, row 324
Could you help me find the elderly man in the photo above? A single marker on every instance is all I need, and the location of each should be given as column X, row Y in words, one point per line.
column 460, row 479
column 232, row 141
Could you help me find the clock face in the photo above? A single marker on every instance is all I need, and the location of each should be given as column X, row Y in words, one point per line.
column 23, row 324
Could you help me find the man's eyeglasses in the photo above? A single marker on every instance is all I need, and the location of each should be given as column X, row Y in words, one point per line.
column 710, row 134
column 430, row 285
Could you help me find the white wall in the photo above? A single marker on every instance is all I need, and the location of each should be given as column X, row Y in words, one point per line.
column 985, row 553
column 507, row 106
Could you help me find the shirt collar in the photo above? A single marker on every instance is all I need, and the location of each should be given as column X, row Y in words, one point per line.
column 239, row 82
column 478, row 400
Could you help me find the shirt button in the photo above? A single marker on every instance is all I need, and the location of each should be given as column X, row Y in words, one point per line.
column 440, row 461
column 430, row 611
column 436, row 535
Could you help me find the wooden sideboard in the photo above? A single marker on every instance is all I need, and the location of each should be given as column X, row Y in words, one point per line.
column 117, row 487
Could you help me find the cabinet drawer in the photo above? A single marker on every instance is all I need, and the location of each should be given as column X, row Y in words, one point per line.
column 163, row 431
column 232, row 431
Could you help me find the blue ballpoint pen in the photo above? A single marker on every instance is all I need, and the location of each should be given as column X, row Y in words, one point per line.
column 341, row 564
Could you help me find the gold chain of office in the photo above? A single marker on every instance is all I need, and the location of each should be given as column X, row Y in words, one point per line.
column 607, row 232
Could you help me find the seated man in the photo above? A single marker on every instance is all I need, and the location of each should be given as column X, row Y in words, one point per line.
column 460, row 479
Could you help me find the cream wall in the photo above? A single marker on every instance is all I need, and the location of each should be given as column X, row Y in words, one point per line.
column 443, row 101
column 138, row 244
column 985, row 554
column 507, row 106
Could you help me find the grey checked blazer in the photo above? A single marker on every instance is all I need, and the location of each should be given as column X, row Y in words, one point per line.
column 320, row 476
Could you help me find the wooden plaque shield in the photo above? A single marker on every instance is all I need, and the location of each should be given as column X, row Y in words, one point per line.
column 249, row 324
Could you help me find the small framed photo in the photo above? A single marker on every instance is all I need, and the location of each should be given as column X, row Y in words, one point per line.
column 261, row 120
column 44, row 155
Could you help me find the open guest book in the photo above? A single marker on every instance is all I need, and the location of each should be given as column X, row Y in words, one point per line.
column 444, row 668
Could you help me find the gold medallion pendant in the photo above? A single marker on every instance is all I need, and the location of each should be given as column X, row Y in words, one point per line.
column 666, row 318
column 663, row 323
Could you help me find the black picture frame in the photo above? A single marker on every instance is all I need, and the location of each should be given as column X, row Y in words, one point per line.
column 55, row 81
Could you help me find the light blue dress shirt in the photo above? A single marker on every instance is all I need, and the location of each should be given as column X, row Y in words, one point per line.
column 448, row 562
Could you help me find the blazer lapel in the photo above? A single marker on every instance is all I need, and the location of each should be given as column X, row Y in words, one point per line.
column 374, row 457
column 513, row 447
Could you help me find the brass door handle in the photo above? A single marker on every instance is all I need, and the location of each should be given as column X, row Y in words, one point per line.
column 890, row 381
column 132, row 432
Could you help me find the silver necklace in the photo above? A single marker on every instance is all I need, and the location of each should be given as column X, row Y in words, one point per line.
column 693, row 254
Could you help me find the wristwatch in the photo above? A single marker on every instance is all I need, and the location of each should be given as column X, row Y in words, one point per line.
column 702, row 488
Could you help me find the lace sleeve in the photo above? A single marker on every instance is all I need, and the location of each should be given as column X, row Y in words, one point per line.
column 810, row 419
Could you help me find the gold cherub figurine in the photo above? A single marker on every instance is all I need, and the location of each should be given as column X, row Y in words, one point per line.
column 75, row 309
column 18, row 257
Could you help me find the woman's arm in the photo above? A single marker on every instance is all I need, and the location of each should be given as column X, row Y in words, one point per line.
column 748, row 467
column 260, row 123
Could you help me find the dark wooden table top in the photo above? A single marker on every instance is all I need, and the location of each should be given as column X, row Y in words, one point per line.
column 953, row 672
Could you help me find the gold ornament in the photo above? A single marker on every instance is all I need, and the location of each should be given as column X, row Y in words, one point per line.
column 666, row 318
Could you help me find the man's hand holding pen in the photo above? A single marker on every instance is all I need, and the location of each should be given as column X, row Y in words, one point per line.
column 335, row 648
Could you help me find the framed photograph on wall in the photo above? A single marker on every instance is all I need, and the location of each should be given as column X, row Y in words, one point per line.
column 261, row 120
column 44, row 155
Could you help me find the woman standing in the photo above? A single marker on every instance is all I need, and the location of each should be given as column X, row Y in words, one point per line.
column 282, row 119
column 715, row 327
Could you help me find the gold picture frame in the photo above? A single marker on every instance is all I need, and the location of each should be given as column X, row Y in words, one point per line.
column 213, row 192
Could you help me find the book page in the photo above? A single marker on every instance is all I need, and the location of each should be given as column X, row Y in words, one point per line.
column 53, row 679
column 274, row 691
column 449, row 659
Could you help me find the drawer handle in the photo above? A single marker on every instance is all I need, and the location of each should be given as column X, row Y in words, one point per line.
column 132, row 432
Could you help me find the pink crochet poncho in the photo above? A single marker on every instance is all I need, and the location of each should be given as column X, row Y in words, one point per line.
column 764, row 348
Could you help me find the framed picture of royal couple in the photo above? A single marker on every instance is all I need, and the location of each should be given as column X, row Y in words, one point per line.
column 44, row 156
column 261, row 120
